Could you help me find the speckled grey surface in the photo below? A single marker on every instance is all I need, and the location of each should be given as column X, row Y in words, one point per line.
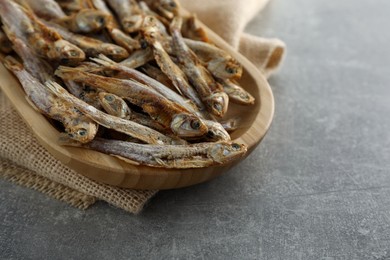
column 318, row 187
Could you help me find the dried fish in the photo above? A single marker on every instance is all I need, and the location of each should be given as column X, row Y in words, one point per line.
column 230, row 124
column 116, row 106
column 192, row 30
column 138, row 58
column 167, row 156
column 76, row 126
column 46, row 42
column 220, row 63
column 236, row 93
column 90, row 46
column 47, row 9
column 171, row 115
column 129, row 14
column 208, row 89
column 113, row 28
column 167, row 8
column 121, row 125
column 215, row 131
column 84, row 21
column 157, row 74
column 173, row 72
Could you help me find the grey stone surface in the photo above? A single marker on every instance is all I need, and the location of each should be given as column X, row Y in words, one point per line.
column 318, row 187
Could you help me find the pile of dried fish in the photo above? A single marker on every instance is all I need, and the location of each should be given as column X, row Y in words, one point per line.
column 133, row 79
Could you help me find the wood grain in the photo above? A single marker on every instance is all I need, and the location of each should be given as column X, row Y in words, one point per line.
column 255, row 121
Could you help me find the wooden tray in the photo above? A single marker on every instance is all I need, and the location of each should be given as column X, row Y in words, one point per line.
column 110, row 170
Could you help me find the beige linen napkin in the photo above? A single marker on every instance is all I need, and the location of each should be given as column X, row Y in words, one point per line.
column 23, row 161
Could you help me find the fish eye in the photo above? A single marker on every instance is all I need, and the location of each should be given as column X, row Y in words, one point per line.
column 73, row 53
column 100, row 20
column 172, row 4
column 144, row 44
column 244, row 96
column 82, row 132
column 109, row 98
column 236, row 146
column 230, row 70
column 195, row 124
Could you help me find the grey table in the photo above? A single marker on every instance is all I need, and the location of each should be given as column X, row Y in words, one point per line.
column 318, row 187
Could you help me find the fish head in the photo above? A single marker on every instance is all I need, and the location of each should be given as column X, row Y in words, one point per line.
column 241, row 96
column 114, row 52
column 82, row 132
column 170, row 6
column 216, row 132
column 114, row 105
column 187, row 125
column 150, row 28
column 66, row 52
column 132, row 23
column 225, row 69
column 218, row 103
column 225, row 152
column 89, row 20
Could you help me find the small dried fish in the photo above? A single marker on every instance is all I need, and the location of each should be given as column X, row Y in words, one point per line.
column 84, row 21
column 167, row 113
column 236, row 93
column 37, row 67
column 138, row 58
column 46, row 42
column 230, row 124
column 173, row 72
column 220, row 63
column 157, row 74
column 215, row 131
column 113, row 28
column 133, row 129
column 72, row 6
column 126, row 72
column 76, row 126
column 167, row 156
column 90, row 46
column 192, row 30
column 209, row 90
column 116, row 106
column 167, row 8
column 47, row 9
column 129, row 14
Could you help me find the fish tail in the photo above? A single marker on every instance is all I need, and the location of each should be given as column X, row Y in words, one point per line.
column 104, row 61
column 54, row 87
column 68, row 73
column 12, row 64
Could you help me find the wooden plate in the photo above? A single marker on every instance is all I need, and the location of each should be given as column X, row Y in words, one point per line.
column 255, row 122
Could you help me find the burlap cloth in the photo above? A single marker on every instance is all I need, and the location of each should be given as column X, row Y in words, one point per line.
column 24, row 162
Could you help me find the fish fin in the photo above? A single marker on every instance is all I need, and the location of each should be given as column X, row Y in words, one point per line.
column 12, row 64
column 104, row 61
column 126, row 159
column 55, row 88
column 160, row 162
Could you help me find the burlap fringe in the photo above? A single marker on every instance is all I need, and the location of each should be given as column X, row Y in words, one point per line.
column 21, row 176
